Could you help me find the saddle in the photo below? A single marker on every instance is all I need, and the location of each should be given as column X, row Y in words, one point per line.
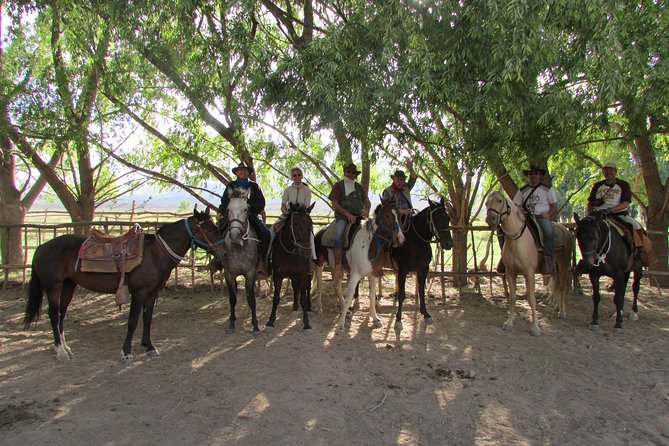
column 535, row 230
column 104, row 253
column 327, row 240
column 638, row 241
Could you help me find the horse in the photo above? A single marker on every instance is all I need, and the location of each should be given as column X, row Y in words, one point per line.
column 415, row 254
column 606, row 253
column 520, row 257
column 241, row 255
column 55, row 272
column 291, row 256
column 373, row 236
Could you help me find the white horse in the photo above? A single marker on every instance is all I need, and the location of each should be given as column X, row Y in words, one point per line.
column 378, row 233
column 521, row 257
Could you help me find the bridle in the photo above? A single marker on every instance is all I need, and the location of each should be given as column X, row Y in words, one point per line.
column 501, row 219
column 432, row 227
column 195, row 241
column 602, row 248
column 243, row 226
column 298, row 248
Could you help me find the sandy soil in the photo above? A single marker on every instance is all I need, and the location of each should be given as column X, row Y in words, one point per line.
column 461, row 381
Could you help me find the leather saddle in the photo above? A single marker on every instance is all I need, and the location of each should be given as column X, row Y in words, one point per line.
column 351, row 229
column 104, row 253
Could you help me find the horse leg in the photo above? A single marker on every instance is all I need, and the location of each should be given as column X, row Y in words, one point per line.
column 296, row 294
column 136, row 305
column 275, row 302
column 356, row 299
column 353, row 280
column 232, row 298
column 532, row 299
column 251, row 299
column 318, row 278
column 421, row 277
column 401, row 285
column 511, row 280
column 54, row 294
column 372, row 302
column 619, row 301
column 303, row 286
column 147, row 317
column 636, row 284
column 65, row 299
column 596, row 298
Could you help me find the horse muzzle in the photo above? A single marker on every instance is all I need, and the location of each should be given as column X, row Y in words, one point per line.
column 492, row 220
column 398, row 238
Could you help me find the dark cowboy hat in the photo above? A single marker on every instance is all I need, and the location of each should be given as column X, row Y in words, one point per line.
column 353, row 167
column 242, row 166
column 541, row 170
column 399, row 173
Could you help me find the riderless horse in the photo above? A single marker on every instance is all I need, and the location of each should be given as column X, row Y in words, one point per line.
column 291, row 257
column 415, row 254
column 56, row 271
column 521, row 257
column 366, row 256
column 240, row 256
column 606, row 253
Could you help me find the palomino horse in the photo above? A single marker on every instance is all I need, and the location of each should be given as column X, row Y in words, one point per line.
column 606, row 253
column 291, row 256
column 520, row 256
column 374, row 235
column 415, row 254
column 241, row 254
column 55, row 272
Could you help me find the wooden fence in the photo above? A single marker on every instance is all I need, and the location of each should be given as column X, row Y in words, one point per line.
column 482, row 248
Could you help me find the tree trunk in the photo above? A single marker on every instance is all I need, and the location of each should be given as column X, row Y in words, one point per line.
column 11, row 239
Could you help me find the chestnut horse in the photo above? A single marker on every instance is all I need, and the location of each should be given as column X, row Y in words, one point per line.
column 55, row 272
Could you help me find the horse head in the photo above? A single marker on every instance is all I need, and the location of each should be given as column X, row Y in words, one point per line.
column 440, row 223
column 498, row 208
column 296, row 235
column 388, row 221
column 590, row 233
column 238, row 215
column 204, row 232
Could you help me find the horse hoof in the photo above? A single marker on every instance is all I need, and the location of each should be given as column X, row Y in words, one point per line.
column 429, row 321
column 594, row 327
column 398, row 325
column 535, row 332
column 634, row 316
column 269, row 328
column 377, row 323
column 257, row 333
column 128, row 359
column 339, row 331
column 562, row 315
column 617, row 330
column 63, row 357
column 306, row 330
column 507, row 327
column 153, row 353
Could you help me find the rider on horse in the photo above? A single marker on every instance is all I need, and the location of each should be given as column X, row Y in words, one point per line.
column 401, row 190
column 350, row 202
column 256, row 202
column 540, row 200
column 612, row 196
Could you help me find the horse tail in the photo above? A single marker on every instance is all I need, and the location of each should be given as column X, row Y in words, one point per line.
column 35, row 297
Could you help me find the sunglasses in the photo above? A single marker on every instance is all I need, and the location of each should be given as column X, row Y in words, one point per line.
column 352, row 171
column 533, row 172
column 296, row 175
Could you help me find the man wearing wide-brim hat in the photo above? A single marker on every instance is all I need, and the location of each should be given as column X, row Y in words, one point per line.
column 256, row 201
column 540, row 200
column 350, row 202
column 401, row 189
column 613, row 196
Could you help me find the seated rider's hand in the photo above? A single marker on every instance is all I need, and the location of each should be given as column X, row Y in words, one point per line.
column 605, row 211
column 351, row 218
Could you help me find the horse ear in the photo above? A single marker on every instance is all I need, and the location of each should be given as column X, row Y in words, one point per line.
column 576, row 218
column 441, row 202
column 206, row 211
column 310, row 208
column 195, row 209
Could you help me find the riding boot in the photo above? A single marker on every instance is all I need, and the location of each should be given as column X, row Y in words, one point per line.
column 645, row 248
column 546, row 265
column 581, row 267
column 337, row 272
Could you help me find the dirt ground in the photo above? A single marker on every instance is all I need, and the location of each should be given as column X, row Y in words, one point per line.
column 461, row 381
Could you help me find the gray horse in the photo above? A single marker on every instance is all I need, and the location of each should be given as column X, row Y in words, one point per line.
column 241, row 254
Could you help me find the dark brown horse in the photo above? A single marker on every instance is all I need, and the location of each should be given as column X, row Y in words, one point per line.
column 291, row 255
column 55, row 272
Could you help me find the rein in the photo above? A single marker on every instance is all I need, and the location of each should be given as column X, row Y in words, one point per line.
column 244, row 226
column 382, row 239
column 600, row 254
column 196, row 242
column 507, row 213
column 432, row 227
column 296, row 246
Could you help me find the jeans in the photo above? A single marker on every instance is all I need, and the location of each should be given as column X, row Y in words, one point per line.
column 549, row 235
column 340, row 227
